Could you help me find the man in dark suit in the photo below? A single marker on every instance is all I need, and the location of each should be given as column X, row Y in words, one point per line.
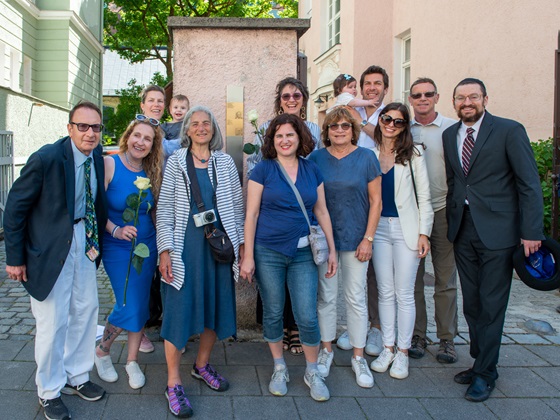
column 494, row 203
column 57, row 201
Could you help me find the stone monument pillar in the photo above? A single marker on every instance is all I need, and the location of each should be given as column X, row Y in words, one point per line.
column 232, row 65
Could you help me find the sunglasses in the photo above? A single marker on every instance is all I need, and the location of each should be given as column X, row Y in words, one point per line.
column 344, row 126
column 83, row 127
column 142, row 117
column 426, row 94
column 397, row 122
column 286, row 96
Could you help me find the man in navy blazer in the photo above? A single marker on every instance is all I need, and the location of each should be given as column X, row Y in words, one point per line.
column 494, row 204
column 44, row 230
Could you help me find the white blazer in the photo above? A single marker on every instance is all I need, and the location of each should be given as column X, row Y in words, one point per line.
column 415, row 219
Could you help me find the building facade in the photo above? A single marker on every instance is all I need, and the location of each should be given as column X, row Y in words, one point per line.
column 509, row 45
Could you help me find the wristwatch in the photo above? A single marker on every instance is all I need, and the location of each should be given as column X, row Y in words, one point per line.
column 369, row 238
column 363, row 123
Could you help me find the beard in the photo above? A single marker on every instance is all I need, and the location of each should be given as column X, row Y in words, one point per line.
column 471, row 118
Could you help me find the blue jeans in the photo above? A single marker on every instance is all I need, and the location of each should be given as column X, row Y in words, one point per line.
column 273, row 271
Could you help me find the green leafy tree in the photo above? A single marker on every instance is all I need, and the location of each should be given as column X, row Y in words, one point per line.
column 543, row 150
column 129, row 105
column 137, row 30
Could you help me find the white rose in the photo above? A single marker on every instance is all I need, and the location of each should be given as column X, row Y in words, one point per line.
column 142, row 183
column 252, row 115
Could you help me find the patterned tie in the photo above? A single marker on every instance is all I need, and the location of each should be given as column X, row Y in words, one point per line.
column 468, row 147
column 92, row 242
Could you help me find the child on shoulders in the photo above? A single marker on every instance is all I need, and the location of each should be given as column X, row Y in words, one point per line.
column 178, row 107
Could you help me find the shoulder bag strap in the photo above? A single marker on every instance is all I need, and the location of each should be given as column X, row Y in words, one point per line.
column 413, row 182
column 194, row 183
column 295, row 190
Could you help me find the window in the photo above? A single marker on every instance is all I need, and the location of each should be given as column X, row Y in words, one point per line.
column 2, row 64
column 27, row 75
column 333, row 23
column 15, row 63
column 405, row 67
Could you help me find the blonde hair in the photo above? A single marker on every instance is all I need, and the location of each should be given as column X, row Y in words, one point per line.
column 153, row 163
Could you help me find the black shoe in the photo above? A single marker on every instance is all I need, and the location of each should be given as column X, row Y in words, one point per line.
column 417, row 346
column 55, row 409
column 479, row 390
column 87, row 391
column 465, row 377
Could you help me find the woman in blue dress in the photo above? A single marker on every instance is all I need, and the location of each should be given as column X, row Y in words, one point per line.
column 140, row 155
column 198, row 293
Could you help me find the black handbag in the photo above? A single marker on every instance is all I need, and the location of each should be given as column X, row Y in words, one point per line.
column 220, row 244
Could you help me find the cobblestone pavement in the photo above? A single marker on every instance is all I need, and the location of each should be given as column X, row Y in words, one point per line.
column 529, row 384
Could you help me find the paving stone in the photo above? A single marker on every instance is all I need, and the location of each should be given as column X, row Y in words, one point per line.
column 27, row 353
column 19, row 405
column 519, row 356
column 267, row 407
column 555, row 339
column 20, row 329
column 123, row 407
column 9, row 321
column 552, row 376
column 461, row 409
column 523, row 382
column 296, row 386
column 260, row 355
column 553, row 403
column 342, row 383
column 389, row 408
column 9, row 349
column 243, row 380
column 520, row 409
column 218, row 407
column 7, row 314
column 528, row 339
column 464, row 358
column 413, row 386
column 335, row 408
column 15, row 374
column 22, row 337
column 549, row 353
column 507, row 340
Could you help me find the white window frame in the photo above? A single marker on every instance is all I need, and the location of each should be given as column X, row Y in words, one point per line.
column 15, row 63
column 3, row 64
column 405, row 67
column 333, row 17
column 27, row 74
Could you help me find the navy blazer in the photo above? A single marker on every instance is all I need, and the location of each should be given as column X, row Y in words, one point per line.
column 39, row 216
column 503, row 185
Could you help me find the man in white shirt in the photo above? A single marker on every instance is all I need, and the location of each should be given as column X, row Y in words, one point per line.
column 427, row 127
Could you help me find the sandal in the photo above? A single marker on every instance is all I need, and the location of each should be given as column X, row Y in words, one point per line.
column 286, row 340
column 295, row 344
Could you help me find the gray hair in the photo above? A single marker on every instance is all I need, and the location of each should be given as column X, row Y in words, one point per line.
column 216, row 143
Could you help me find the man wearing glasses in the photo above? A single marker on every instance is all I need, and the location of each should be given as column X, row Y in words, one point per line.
column 494, row 204
column 53, row 225
column 427, row 127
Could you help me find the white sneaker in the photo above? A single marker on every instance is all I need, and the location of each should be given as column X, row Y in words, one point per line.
column 374, row 343
column 364, row 378
column 136, row 378
column 382, row 363
column 278, row 383
column 324, row 362
column 399, row 369
column 343, row 341
column 105, row 369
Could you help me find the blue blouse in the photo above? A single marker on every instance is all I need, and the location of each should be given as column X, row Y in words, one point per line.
column 388, row 194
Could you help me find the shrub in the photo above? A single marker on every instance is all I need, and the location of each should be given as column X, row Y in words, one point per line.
column 543, row 150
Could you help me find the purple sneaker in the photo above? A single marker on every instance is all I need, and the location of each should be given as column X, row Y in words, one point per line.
column 179, row 405
column 212, row 378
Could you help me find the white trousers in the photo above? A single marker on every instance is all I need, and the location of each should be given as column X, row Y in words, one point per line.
column 395, row 267
column 67, row 323
column 352, row 273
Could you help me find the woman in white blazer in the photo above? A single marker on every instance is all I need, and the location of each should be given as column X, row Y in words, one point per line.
column 402, row 234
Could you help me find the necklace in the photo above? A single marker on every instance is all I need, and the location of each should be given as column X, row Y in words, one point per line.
column 197, row 158
column 138, row 168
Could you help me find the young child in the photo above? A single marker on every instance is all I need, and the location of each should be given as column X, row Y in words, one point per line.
column 345, row 91
column 178, row 107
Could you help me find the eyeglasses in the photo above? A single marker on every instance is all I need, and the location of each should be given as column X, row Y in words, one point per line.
column 286, row 96
column 397, row 122
column 83, row 127
column 345, row 126
column 426, row 94
column 474, row 97
column 142, row 117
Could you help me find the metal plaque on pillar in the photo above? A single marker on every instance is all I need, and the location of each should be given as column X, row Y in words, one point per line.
column 234, row 126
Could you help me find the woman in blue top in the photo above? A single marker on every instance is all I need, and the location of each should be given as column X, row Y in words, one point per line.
column 277, row 248
column 353, row 194
column 402, row 234
column 140, row 155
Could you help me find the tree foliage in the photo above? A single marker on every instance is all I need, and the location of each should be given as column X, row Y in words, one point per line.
column 137, row 30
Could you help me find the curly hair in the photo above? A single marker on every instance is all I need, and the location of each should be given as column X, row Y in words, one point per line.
column 280, row 87
column 306, row 144
column 337, row 114
column 153, row 163
column 404, row 146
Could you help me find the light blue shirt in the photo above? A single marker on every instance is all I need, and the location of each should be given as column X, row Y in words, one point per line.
column 80, row 193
